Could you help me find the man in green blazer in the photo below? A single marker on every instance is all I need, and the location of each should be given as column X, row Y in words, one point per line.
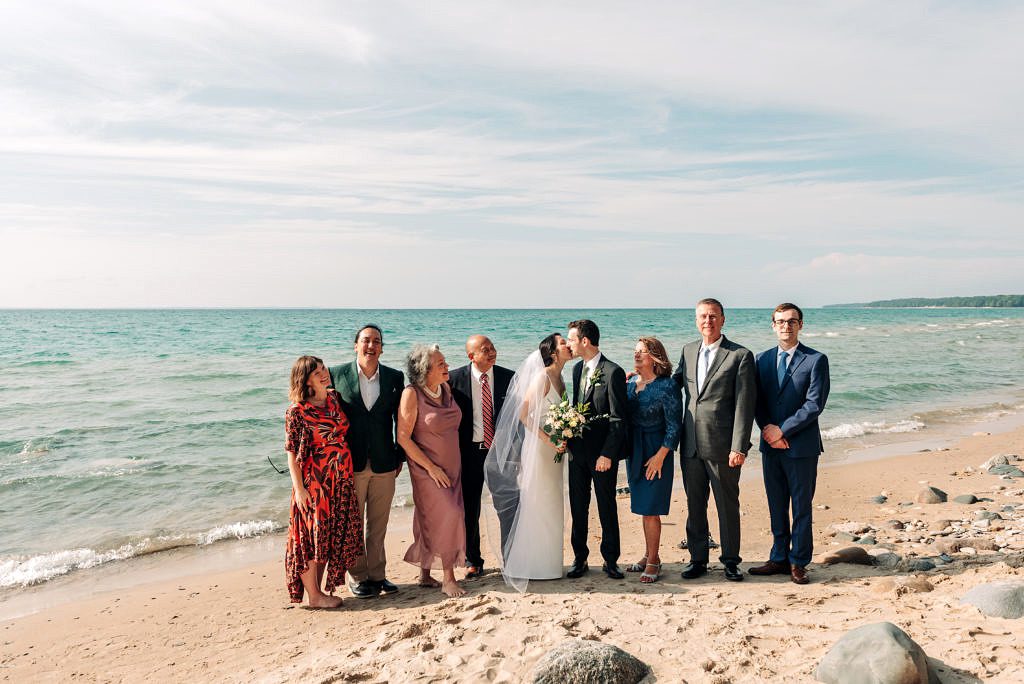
column 369, row 396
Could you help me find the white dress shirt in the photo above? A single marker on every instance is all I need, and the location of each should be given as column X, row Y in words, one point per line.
column 704, row 364
column 789, row 355
column 588, row 370
column 478, row 407
column 369, row 388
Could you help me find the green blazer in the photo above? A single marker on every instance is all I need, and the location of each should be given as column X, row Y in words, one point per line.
column 371, row 433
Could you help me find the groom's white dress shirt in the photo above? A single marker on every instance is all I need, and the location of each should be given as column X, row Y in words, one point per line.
column 588, row 370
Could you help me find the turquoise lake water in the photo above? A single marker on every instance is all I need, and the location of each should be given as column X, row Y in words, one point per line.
column 127, row 432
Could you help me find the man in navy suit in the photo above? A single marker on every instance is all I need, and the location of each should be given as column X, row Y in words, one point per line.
column 792, row 387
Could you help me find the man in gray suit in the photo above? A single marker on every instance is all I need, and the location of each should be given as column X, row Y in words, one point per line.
column 720, row 386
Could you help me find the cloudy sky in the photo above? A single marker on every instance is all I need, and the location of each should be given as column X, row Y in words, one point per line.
column 508, row 154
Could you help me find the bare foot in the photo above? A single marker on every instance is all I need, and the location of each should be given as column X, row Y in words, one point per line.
column 452, row 589
column 324, row 601
column 429, row 582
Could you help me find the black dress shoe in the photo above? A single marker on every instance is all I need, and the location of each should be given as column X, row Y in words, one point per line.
column 365, row 589
column 577, row 570
column 612, row 571
column 474, row 571
column 386, row 587
column 695, row 570
column 733, row 573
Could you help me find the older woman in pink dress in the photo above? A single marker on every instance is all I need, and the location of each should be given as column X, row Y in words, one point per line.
column 428, row 431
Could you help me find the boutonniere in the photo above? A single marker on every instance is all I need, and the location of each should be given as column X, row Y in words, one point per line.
column 596, row 377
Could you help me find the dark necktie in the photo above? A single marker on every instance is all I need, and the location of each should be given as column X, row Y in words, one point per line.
column 487, row 410
column 782, row 366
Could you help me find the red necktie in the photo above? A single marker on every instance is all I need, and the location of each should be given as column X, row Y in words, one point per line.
column 487, row 410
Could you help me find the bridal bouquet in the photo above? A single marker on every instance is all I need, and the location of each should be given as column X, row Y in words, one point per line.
column 565, row 421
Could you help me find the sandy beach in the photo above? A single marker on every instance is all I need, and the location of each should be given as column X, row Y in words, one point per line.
column 237, row 624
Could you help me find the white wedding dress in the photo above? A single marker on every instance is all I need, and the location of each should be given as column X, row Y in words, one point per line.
column 525, row 482
column 535, row 551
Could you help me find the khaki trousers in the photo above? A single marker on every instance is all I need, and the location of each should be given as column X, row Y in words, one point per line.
column 374, row 493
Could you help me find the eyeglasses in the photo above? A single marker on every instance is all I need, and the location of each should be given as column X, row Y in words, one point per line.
column 787, row 322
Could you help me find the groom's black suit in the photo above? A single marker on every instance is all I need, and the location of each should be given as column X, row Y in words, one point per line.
column 603, row 437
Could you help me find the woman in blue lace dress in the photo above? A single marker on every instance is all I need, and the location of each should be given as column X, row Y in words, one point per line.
column 655, row 417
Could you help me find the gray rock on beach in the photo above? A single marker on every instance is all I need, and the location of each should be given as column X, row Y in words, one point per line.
column 879, row 653
column 885, row 558
column 966, row 499
column 1007, row 470
column 997, row 460
column 879, row 499
column 576, row 661
column 998, row 599
column 931, row 495
column 921, row 565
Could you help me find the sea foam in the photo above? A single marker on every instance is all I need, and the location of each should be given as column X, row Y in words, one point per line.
column 847, row 430
column 240, row 530
column 24, row 571
column 37, row 569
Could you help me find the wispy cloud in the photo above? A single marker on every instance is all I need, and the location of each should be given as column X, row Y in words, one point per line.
column 139, row 144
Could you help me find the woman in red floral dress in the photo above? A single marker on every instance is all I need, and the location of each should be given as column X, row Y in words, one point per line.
column 325, row 528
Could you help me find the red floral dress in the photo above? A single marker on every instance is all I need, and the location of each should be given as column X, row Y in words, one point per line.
column 331, row 529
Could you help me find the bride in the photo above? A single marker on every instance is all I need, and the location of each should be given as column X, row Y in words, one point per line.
column 522, row 475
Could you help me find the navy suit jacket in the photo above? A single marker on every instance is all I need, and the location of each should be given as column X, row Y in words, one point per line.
column 796, row 405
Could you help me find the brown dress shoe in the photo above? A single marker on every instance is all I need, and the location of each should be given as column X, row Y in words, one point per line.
column 770, row 568
column 799, row 574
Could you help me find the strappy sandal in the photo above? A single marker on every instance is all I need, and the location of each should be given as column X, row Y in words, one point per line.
column 648, row 578
column 639, row 566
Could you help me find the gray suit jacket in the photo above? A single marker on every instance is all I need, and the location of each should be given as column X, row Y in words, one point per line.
column 718, row 419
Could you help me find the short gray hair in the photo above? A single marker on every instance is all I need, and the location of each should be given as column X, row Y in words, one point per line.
column 417, row 364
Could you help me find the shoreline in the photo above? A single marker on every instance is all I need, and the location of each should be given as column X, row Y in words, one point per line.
column 189, row 561
column 234, row 623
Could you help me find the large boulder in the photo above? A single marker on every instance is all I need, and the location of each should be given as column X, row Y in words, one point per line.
column 998, row 599
column 576, row 661
column 879, row 653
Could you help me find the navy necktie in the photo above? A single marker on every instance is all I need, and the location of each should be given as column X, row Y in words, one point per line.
column 782, row 366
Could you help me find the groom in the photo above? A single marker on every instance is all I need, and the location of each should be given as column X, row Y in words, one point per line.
column 594, row 457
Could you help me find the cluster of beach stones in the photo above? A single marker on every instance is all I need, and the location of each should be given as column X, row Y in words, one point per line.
column 992, row 524
column 882, row 652
column 879, row 652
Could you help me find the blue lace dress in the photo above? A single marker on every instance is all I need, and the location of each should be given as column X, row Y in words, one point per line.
column 655, row 418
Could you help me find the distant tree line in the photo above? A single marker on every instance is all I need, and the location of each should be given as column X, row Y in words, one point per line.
column 983, row 301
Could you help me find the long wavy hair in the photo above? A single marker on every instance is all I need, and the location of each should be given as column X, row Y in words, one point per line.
column 303, row 367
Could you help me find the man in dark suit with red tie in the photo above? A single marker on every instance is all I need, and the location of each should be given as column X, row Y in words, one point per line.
column 479, row 389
